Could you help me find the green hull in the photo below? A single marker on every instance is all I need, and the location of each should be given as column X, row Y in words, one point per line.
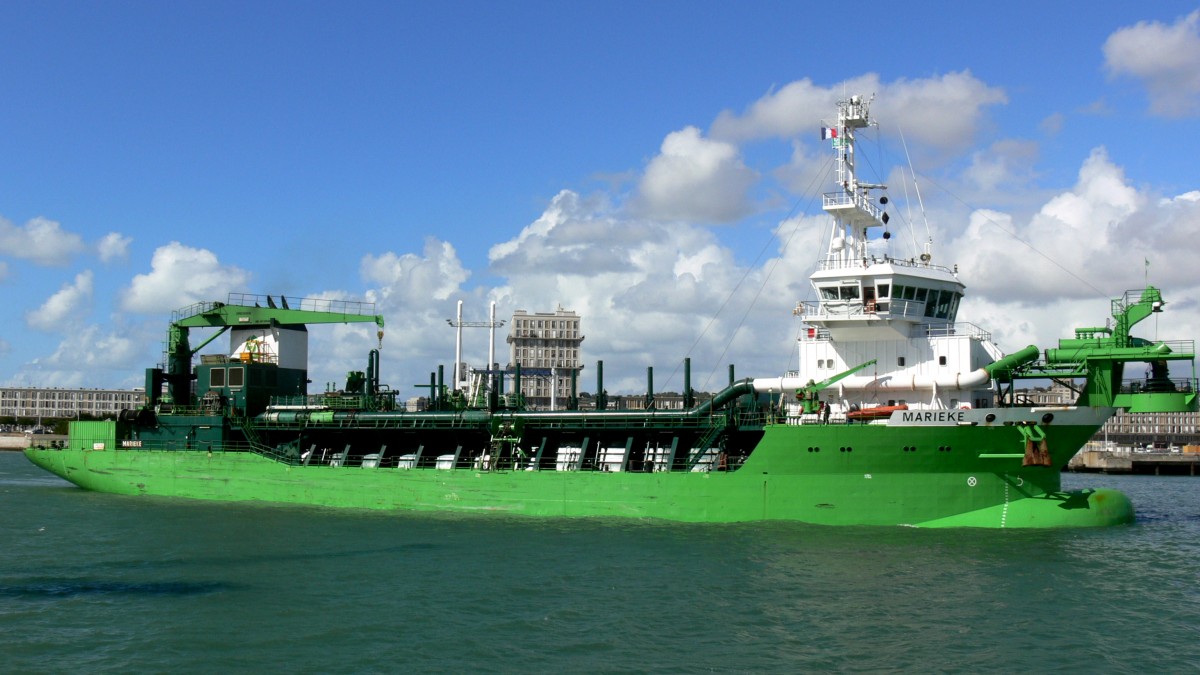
column 874, row 474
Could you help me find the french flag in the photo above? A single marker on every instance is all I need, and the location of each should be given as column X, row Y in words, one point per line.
column 828, row 133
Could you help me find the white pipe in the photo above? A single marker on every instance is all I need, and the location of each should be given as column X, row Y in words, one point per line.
column 956, row 381
column 492, row 339
column 458, row 346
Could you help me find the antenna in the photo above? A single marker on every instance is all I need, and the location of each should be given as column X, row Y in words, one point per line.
column 920, row 202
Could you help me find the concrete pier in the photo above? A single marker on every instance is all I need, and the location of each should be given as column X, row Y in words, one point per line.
column 17, row 441
column 1155, row 463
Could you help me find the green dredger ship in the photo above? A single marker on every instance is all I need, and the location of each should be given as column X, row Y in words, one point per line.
column 897, row 415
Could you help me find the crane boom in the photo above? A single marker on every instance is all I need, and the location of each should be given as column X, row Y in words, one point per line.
column 243, row 310
column 808, row 393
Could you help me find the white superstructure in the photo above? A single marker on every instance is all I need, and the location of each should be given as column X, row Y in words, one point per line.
column 872, row 305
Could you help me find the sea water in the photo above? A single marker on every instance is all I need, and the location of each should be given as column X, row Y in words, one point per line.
column 93, row 582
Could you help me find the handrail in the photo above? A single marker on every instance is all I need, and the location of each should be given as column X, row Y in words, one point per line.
column 1184, row 385
column 837, row 264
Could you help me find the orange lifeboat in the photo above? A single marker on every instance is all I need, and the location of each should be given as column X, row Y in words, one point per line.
column 878, row 412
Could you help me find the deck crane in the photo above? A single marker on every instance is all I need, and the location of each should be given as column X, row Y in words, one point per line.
column 808, row 394
column 243, row 311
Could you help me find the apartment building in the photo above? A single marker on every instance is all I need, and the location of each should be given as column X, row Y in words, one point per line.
column 53, row 403
column 547, row 346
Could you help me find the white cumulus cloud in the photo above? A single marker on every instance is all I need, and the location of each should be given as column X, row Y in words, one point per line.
column 40, row 240
column 1090, row 241
column 114, row 246
column 659, row 291
column 1163, row 58
column 88, row 356
column 62, row 310
column 179, row 276
column 436, row 274
column 573, row 234
column 695, row 179
column 944, row 112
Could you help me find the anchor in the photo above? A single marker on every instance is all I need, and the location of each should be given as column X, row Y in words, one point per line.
column 1036, row 451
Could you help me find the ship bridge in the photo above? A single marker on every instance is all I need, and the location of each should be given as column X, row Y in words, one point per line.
column 881, row 298
column 897, row 313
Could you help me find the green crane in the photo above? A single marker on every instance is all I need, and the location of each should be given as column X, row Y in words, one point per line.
column 808, row 394
column 243, row 310
column 1100, row 354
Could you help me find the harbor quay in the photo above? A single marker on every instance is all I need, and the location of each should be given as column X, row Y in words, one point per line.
column 20, row 441
column 1158, row 462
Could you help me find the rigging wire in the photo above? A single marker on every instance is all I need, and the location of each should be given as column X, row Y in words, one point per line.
column 745, row 275
column 1099, row 293
column 917, row 189
column 912, row 232
column 906, row 220
column 921, row 203
column 770, row 272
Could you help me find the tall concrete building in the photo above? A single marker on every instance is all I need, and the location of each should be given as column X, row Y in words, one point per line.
column 50, row 403
column 547, row 345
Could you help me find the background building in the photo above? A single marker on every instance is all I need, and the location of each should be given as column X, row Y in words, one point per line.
column 35, row 403
column 1164, row 430
column 547, row 347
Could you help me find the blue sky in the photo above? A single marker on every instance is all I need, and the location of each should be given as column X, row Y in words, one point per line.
column 646, row 164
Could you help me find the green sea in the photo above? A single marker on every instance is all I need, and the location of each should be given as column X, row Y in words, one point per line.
column 100, row 583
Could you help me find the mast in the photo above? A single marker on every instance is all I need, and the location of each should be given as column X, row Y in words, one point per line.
column 853, row 207
column 865, row 298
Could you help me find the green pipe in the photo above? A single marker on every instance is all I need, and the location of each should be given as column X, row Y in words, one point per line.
column 1001, row 370
column 689, row 399
column 649, row 387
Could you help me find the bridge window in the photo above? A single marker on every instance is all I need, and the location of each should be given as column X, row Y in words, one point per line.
column 945, row 301
column 237, row 376
column 216, row 378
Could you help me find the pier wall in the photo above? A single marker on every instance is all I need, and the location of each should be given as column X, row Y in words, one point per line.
column 1161, row 463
